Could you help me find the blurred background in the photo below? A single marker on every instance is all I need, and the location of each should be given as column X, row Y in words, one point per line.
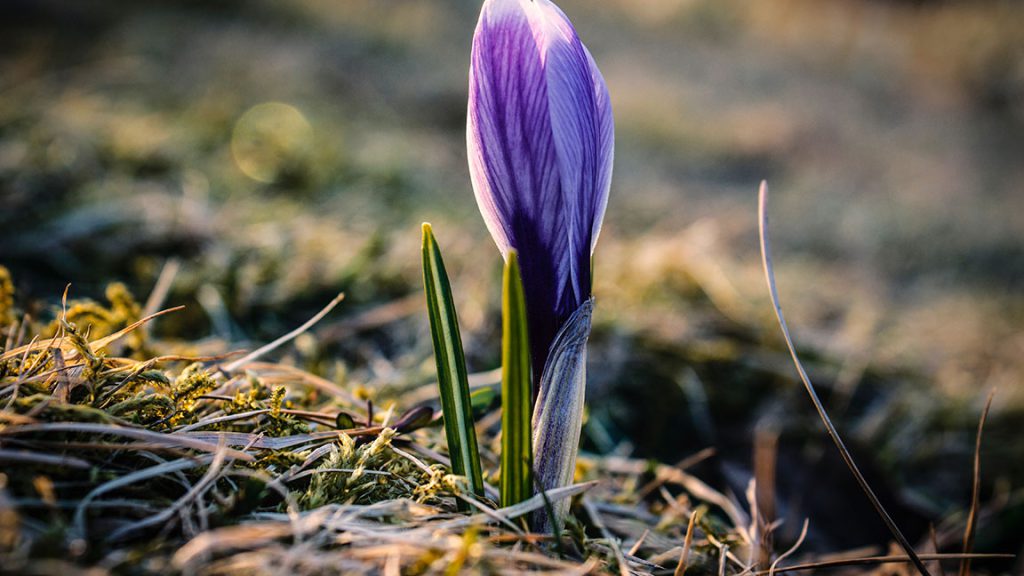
column 276, row 152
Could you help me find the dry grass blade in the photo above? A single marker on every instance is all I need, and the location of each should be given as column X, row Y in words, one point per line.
column 220, row 419
column 490, row 512
column 534, row 503
column 874, row 560
column 769, row 272
column 595, row 516
column 796, row 546
column 684, row 556
column 972, row 517
column 269, row 371
column 211, row 475
column 245, row 536
column 248, row 439
column 726, row 553
column 162, row 287
column 175, row 440
column 660, row 476
column 560, row 567
column 287, row 337
column 639, row 542
column 104, row 342
column 36, row 458
column 166, row 468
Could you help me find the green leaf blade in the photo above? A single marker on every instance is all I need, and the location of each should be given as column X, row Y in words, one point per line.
column 516, row 390
column 451, row 366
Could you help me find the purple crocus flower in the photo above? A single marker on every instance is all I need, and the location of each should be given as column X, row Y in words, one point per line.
column 540, row 138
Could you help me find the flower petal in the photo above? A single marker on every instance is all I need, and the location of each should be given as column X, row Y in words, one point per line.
column 513, row 160
column 605, row 150
column 539, row 135
column 583, row 133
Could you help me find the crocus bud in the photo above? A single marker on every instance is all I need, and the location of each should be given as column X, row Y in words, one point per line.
column 540, row 138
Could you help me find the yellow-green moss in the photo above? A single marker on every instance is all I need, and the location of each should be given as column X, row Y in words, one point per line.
column 7, row 314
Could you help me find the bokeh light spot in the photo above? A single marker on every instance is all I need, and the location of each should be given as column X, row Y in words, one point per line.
column 271, row 141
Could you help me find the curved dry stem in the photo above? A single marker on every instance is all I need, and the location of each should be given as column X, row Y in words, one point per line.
column 972, row 517
column 769, row 272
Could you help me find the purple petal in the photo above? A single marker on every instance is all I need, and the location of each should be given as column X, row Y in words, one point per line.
column 513, row 160
column 583, row 130
column 606, row 148
column 539, row 136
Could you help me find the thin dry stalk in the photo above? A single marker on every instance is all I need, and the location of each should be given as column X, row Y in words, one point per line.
column 536, row 502
column 177, row 440
column 286, row 338
column 766, row 442
column 194, row 493
column 796, row 546
column 639, row 542
column 684, row 556
column 595, row 516
column 875, row 560
column 769, row 272
column 162, row 287
column 972, row 516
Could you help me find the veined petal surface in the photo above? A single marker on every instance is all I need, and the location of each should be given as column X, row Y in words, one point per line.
column 539, row 135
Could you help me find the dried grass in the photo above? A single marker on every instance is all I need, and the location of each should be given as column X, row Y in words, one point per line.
column 122, row 455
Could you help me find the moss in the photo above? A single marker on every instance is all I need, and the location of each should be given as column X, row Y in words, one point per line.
column 8, row 316
column 193, row 382
column 144, row 408
column 42, row 407
column 277, row 423
column 364, row 474
column 95, row 320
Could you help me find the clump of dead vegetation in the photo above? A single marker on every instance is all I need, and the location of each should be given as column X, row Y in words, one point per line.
column 123, row 454
column 121, row 457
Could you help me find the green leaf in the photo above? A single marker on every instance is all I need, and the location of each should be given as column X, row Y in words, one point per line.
column 482, row 400
column 344, row 421
column 451, row 366
column 516, row 390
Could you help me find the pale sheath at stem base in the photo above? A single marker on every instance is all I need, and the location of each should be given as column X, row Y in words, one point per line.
column 558, row 414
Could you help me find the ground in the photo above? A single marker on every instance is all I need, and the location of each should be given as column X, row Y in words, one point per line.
column 274, row 154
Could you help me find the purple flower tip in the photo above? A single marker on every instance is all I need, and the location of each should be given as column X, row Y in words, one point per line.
column 540, row 138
